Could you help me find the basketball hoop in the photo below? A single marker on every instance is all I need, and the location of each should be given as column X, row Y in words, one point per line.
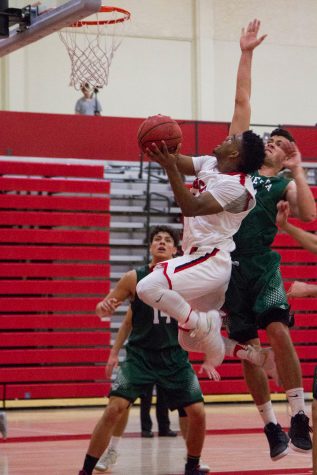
column 91, row 45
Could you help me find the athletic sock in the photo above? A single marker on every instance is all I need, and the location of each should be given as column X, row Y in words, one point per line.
column 89, row 464
column 267, row 413
column 296, row 400
column 114, row 442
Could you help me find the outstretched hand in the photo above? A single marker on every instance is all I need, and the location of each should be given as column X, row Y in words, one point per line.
column 293, row 157
column 249, row 36
column 212, row 373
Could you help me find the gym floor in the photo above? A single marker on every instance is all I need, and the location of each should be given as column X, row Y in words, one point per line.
column 54, row 442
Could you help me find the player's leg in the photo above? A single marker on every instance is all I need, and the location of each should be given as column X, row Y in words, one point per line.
column 182, row 390
column 124, row 391
column 196, row 429
column 173, row 284
column 241, row 323
column 102, row 433
column 273, row 315
column 289, row 370
column 110, row 455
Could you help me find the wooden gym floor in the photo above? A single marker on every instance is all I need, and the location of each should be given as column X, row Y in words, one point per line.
column 54, row 442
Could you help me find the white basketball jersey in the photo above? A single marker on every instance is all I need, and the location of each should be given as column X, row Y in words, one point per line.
column 233, row 191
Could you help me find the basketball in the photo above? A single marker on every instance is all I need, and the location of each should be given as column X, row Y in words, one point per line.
column 157, row 128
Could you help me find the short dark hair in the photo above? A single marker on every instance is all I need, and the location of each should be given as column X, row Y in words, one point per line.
column 165, row 229
column 283, row 133
column 253, row 152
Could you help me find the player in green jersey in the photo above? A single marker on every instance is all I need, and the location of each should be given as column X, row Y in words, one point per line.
column 256, row 297
column 154, row 356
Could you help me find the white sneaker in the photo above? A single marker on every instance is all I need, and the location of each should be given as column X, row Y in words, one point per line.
column 3, row 424
column 203, row 467
column 108, row 458
column 206, row 322
column 265, row 358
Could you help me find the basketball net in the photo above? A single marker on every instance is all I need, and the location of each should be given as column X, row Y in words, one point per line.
column 91, row 45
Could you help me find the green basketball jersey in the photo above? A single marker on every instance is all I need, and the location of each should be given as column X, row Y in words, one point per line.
column 150, row 328
column 258, row 229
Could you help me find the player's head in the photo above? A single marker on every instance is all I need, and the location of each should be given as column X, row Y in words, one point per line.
column 164, row 241
column 279, row 132
column 241, row 152
column 86, row 89
column 274, row 154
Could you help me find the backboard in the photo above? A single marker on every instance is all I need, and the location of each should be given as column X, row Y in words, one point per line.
column 29, row 23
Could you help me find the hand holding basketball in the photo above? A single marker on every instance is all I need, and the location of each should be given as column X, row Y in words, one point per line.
column 158, row 128
column 163, row 156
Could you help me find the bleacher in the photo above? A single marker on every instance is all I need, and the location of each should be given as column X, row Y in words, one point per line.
column 54, row 269
column 66, row 236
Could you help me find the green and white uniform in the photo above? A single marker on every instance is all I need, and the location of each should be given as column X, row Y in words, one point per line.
column 256, row 295
column 155, row 357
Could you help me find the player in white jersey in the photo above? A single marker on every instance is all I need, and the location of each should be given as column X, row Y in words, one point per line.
column 188, row 287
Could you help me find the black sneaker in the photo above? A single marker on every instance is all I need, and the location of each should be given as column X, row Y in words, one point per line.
column 168, row 433
column 299, row 433
column 278, row 440
column 194, row 471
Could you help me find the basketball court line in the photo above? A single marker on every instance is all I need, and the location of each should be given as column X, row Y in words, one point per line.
column 61, row 437
column 283, row 471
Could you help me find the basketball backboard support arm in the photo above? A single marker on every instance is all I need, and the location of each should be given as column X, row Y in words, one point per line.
column 47, row 23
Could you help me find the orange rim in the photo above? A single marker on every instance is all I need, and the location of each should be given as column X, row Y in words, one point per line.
column 125, row 16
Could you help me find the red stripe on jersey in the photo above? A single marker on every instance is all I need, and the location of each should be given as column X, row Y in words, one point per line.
column 164, row 265
column 195, row 262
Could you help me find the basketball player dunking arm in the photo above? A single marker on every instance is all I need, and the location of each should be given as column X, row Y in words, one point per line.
column 221, row 197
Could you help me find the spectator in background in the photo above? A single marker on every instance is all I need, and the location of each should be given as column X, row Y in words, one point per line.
column 88, row 104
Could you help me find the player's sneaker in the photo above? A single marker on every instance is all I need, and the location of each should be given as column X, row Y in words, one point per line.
column 83, row 472
column 107, row 460
column 265, row 358
column 3, row 424
column 194, row 471
column 299, row 433
column 278, row 441
column 206, row 322
column 203, row 467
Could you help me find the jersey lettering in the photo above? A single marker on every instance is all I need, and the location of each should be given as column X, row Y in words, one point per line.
column 158, row 314
column 259, row 181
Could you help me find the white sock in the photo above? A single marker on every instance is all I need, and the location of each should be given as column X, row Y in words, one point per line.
column 114, row 442
column 296, row 400
column 267, row 413
column 233, row 348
